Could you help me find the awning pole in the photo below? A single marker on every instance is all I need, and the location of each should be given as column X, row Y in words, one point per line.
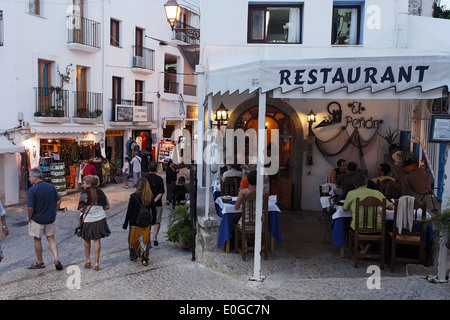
column 208, row 161
column 259, row 185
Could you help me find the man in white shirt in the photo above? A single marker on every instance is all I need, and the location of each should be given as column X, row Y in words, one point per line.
column 232, row 172
column 136, row 163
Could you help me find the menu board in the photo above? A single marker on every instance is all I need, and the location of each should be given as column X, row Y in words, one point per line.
column 440, row 128
column 165, row 150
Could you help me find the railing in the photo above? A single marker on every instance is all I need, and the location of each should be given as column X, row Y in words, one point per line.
column 186, row 33
column 88, row 104
column 131, row 103
column 431, row 150
column 189, row 89
column 51, row 102
column 1, row 28
column 143, row 58
column 83, row 31
column 170, row 87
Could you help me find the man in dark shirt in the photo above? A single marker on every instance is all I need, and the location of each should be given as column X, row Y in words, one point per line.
column 42, row 201
column 157, row 187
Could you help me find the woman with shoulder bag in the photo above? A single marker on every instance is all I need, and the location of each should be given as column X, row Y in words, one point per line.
column 139, row 240
column 95, row 226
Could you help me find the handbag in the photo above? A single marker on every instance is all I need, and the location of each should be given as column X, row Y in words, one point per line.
column 80, row 226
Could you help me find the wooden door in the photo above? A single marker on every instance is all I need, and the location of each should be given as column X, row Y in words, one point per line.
column 139, row 42
column 285, row 171
column 45, row 81
column 81, row 95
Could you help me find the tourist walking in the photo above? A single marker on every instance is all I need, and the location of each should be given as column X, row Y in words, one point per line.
column 42, row 203
column 137, row 171
column 171, row 179
column 93, row 202
column 4, row 228
column 126, row 171
column 157, row 187
column 139, row 242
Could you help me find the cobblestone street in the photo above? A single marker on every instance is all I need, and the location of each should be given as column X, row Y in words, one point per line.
column 172, row 275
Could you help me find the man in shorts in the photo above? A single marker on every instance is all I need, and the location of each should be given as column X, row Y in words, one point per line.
column 42, row 201
column 157, row 187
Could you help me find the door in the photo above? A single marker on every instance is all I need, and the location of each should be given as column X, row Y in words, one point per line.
column 45, row 81
column 78, row 21
column 82, row 108
column 285, row 171
column 139, row 42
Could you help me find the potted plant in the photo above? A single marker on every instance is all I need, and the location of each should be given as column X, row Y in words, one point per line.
column 51, row 109
column 59, row 112
column 37, row 114
column 98, row 112
column 442, row 222
column 181, row 227
column 390, row 138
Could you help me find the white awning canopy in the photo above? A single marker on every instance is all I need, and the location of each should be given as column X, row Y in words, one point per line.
column 67, row 128
column 304, row 69
column 7, row 147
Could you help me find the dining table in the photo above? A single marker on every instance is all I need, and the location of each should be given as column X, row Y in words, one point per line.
column 341, row 220
column 230, row 216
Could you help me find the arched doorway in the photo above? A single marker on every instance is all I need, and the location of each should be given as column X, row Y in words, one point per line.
column 286, row 184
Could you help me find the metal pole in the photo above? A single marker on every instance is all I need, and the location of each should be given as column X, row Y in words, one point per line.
column 259, row 185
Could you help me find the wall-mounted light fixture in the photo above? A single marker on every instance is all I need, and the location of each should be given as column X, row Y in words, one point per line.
column 173, row 13
column 221, row 116
column 311, row 118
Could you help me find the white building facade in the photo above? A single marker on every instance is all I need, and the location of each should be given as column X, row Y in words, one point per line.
column 91, row 79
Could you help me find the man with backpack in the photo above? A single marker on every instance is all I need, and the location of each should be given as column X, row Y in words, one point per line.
column 157, row 187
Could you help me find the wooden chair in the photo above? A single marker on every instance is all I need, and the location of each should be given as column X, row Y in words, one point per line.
column 414, row 238
column 229, row 187
column 368, row 228
column 246, row 226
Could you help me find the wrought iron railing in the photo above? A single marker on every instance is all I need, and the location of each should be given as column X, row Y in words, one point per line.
column 186, row 33
column 87, row 104
column 190, row 89
column 1, row 28
column 143, row 58
column 83, row 31
column 170, row 87
column 51, row 102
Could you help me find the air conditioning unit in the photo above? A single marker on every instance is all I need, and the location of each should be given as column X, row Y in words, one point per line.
column 138, row 62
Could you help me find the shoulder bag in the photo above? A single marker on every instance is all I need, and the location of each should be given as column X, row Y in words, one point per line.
column 80, row 226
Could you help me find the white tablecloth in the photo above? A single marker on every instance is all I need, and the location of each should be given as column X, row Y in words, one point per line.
column 341, row 213
column 229, row 208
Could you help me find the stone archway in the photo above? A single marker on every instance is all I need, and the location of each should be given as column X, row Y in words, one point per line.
column 298, row 136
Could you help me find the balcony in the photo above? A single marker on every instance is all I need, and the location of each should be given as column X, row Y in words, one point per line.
column 143, row 60
column 171, row 87
column 131, row 112
column 88, row 107
column 52, row 104
column 189, row 89
column 83, row 34
column 186, row 33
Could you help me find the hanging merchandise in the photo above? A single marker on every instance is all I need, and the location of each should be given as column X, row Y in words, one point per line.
column 144, row 137
column 130, row 147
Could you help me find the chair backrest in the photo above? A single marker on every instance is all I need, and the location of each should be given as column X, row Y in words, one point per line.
column 229, row 187
column 390, row 188
column 418, row 227
column 249, row 209
column 370, row 215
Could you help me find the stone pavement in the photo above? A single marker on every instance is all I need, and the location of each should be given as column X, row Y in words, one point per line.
column 304, row 267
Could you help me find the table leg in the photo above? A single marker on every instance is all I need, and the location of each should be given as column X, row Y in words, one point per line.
column 272, row 243
column 341, row 251
column 227, row 246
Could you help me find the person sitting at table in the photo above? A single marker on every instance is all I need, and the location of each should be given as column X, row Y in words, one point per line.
column 251, row 178
column 342, row 168
column 344, row 180
column 361, row 191
column 382, row 173
column 233, row 171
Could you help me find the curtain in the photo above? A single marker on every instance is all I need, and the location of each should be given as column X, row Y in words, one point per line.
column 294, row 25
column 353, row 36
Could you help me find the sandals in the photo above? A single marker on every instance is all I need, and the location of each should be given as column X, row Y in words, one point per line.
column 58, row 266
column 96, row 268
column 37, row 265
column 87, row 265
